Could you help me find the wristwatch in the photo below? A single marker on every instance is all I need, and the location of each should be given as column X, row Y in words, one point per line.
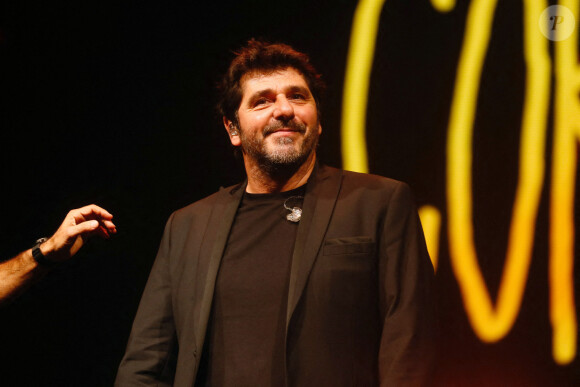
column 38, row 256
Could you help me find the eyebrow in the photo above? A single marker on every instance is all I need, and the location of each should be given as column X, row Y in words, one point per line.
column 269, row 91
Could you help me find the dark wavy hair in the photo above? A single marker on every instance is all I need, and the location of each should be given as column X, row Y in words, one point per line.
column 262, row 56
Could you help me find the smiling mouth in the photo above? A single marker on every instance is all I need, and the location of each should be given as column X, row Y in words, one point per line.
column 286, row 131
column 284, row 128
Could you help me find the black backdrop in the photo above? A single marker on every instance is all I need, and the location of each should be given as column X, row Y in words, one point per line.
column 113, row 104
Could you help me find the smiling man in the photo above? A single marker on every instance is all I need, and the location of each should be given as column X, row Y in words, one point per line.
column 303, row 275
column 280, row 124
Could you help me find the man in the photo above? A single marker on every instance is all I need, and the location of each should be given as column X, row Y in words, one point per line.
column 303, row 275
column 31, row 265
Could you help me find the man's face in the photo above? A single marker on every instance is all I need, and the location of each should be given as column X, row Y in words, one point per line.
column 278, row 119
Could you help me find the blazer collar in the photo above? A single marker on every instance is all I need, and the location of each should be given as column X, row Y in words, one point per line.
column 319, row 201
column 213, row 246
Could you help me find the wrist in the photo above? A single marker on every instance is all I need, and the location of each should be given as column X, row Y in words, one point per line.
column 41, row 250
column 46, row 247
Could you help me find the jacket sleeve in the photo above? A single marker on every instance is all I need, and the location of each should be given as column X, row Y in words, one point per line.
column 406, row 296
column 151, row 351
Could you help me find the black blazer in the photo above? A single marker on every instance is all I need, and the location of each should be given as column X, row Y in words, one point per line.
column 360, row 294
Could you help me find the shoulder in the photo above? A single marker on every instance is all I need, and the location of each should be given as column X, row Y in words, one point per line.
column 373, row 181
column 203, row 207
column 365, row 181
column 369, row 191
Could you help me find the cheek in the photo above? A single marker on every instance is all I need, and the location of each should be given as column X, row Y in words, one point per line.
column 310, row 117
column 254, row 121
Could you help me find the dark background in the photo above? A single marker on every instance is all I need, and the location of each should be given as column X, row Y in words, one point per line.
column 113, row 104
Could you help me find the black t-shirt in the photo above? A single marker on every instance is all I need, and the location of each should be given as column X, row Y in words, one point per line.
column 246, row 336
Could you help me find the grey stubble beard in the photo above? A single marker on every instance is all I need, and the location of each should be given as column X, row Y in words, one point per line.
column 280, row 160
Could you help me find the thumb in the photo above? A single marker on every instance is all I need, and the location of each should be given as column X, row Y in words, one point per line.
column 84, row 227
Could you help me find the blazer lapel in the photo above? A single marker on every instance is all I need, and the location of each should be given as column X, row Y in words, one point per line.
column 215, row 239
column 319, row 202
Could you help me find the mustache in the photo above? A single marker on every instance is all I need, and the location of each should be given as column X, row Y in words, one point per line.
column 280, row 125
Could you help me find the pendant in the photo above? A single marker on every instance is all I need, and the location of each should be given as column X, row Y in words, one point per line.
column 294, row 215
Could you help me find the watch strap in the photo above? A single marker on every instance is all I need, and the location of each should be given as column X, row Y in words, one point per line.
column 38, row 256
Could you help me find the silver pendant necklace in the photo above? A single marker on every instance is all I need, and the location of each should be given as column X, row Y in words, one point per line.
column 295, row 212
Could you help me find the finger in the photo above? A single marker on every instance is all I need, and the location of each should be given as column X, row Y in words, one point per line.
column 110, row 226
column 93, row 211
column 103, row 232
column 82, row 228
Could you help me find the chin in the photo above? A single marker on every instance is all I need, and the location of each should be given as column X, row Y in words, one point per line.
column 287, row 157
column 283, row 151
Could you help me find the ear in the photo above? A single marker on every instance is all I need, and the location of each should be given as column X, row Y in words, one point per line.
column 233, row 132
column 319, row 129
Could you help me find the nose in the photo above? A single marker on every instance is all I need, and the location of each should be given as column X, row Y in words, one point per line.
column 283, row 109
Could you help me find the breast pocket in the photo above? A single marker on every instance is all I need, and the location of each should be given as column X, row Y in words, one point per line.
column 349, row 245
column 346, row 273
column 354, row 253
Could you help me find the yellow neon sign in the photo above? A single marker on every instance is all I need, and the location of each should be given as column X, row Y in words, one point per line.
column 492, row 323
column 443, row 5
column 356, row 84
column 565, row 158
column 431, row 222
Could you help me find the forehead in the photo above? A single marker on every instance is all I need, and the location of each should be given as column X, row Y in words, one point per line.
column 276, row 80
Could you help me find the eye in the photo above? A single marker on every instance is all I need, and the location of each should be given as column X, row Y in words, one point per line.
column 299, row 96
column 260, row 101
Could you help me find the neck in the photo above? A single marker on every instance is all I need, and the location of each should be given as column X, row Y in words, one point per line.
column 279, row 180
